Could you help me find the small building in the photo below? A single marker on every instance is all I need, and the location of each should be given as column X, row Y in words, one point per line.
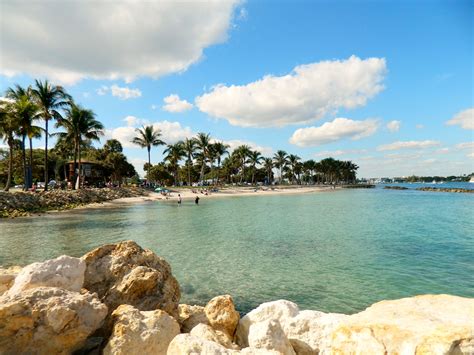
column 92, row 173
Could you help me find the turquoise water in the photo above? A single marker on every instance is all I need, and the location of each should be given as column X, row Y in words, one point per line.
column 336, row 251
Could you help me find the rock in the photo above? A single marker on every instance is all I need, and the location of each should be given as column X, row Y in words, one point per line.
column 190, row 316
column 268, row 335
column 48, row 320
column 429, row 324
column 206, row 332
column 307, row 331
column 221, row 314
column 7, row 277
column 124, row 273
column 184, row 344
column 64, row 272
column 141, row 332
column 279, row 310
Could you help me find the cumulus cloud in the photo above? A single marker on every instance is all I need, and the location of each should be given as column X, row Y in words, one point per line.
column 174, row 104
column 306, row 94
column 123, row 93
column 339, row 128
column 171, row 132
column 408, row 145
column 339, row 152
column 393, row 126
column 465, row 119
column 108, row 40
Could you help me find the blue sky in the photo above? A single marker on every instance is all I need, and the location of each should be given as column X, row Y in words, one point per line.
column 387, row 84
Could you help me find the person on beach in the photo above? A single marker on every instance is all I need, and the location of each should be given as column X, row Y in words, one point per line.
column 196, row 200
column 179, row 199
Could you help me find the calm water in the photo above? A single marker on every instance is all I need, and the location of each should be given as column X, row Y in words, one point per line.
column 334, row 251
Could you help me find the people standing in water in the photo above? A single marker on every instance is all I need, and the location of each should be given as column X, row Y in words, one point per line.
column 196, row 200
column 179, row 199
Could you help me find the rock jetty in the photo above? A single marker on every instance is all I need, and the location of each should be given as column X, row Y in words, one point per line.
column 446, row 189
column 395, row 187
column 123, row 299
column 24, row 203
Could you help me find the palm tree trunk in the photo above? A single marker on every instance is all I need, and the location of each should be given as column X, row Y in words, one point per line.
column 25, row 172
column 74, row 175
column 201, row 177
column 189, row 172
column 46, row 156
column 149, row 160
column 10, row 166
column 31, row 163
column 79, row 164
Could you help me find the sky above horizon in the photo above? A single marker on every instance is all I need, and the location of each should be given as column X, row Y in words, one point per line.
column 386, row 84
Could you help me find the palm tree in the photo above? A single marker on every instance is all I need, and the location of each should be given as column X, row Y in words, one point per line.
column 310, row 166
column 203, row 144
column 293, row 161
column 49, row 99
column 81, row 127
column 219, row 149
column 189, row 146
column 268, row 166
column 254, row 159
column 26, row 112
column 242, row 152
column 8, row 127
column 174, row 153
column 148, row 137
column 280, row 160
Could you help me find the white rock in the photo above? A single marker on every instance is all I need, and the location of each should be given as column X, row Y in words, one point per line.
column 206, row 332
column 7, row 277
column 190, row 316
column 268, row 335
column 141, row 332
column 428, row 324
column 307, row 331
column 64, row 272
column 187, row 344
column 280, row 310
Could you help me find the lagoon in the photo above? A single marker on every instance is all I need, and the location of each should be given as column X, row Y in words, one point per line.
column 337, row 251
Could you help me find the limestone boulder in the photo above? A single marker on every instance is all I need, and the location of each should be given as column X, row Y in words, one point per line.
column 48, row 320
column 140, row 332
column 280, row 310
column 125, row 273
column 64, row 272
column 191, row 316
column 268, row 335
column 428, row 324
column 206, row 332
column 221, row 314
column 307, row 331
column 188, row 344
column 7, row 277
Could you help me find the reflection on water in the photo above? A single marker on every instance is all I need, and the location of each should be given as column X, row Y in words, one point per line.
column 336, row 251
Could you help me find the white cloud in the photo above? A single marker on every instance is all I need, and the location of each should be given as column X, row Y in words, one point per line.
column 337, row 153
column 171, row 132
column 339, row 128
column 125, row 93
column 103, row 90
column 103, row 39
column 466, row 145
column 153, row 107
column 408, row 145
column 393, row 126
column 443, row 151
column 465, row 119
column 419, row 126
column 174, row 104
column 308, row 93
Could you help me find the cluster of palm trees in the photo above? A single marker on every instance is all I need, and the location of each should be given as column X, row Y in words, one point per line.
column 207, row 161
column 22, row 108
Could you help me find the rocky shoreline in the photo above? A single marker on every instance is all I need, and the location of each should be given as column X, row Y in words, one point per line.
column 123, row 299
column 446, row 189
column 25, row 203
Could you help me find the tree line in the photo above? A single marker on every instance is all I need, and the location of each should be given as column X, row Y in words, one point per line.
column 20, row 111
column 206, row 161
column 197, row 160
